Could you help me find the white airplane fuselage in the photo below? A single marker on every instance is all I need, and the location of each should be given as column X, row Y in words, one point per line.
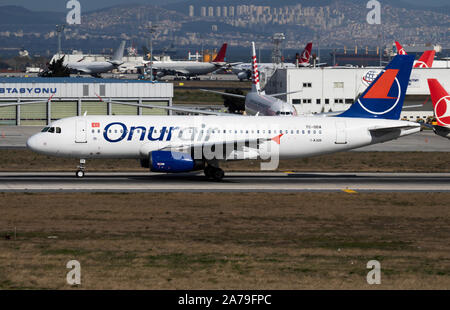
column 138, row 136
column 96, row 67
column 266, row 105
column 190, row 68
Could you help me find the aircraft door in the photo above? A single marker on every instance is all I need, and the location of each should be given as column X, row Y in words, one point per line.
column 80, row 131
column 341, row 132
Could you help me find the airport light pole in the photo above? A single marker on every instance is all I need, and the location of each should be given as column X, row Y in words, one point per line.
column 152, row 30
column 59, row 30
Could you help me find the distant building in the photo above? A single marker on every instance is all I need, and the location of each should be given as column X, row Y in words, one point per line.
column 191, row 11
column 231, row 11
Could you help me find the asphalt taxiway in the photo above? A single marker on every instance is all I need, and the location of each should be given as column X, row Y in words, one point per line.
column 233, row 182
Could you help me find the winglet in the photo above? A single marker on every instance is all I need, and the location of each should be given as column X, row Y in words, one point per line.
column 277, row 139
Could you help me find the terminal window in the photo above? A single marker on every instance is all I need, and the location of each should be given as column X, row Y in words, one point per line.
column 296, row 101
column 85, row 90
column 307, row 100
column 318, row 101
column 309, row 85
column 327, row 101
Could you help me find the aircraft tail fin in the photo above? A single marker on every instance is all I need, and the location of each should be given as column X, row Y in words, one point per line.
column 384, row 97
column 400, row 49
column 306, row 55
column 222, row 54
column 256, row 86
column 441, row 102
column 118, row 54
column 426, row 60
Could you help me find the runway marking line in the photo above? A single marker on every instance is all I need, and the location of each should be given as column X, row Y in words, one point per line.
column 349, row 191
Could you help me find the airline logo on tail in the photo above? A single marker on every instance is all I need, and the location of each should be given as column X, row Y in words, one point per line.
column 306, row 55
column 441, row 102
column 386, row 88
column 222, row 54
column 385, row 95
column 425, row 61
column 400, row 49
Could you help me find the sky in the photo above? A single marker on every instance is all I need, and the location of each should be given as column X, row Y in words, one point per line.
column 60, row 5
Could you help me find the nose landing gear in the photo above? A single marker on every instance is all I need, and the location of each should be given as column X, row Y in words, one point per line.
column 80, row 169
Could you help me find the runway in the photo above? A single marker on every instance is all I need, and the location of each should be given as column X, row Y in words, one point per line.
column 233, row 182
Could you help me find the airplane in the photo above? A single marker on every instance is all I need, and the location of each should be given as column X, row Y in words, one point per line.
column 95, row 68
column 425, row 61
column 175, row 144
column 244, row 70
column 188, row 68
column 257, row 102
column 441, row 105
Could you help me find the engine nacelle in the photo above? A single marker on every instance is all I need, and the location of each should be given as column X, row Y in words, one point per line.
column 167, row 161
column 244, row 75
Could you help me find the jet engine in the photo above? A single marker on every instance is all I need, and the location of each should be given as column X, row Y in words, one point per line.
column 168, row 161
column 244, row 75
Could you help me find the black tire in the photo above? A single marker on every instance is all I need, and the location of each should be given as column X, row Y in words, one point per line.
column 218, row 174
column 79, row 174
column 208, row 172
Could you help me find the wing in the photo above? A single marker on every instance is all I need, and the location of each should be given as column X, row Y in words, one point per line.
column 9, row 104
column 185, row 110
column 223, row 94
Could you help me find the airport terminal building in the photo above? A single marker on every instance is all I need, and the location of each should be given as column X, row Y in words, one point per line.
column 76, row 96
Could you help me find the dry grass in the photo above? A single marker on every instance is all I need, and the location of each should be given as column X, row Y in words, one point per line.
column 25, row 160
column 226, row 240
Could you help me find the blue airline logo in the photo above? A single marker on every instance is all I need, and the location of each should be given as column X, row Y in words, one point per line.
column 111, row 135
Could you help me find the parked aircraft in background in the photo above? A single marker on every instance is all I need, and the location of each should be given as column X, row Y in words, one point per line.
column 189, row 143
column 425, row 61
column 244, row 70
column 441, row 105
column 95, row 68
column 188, row 69
column 257, row 102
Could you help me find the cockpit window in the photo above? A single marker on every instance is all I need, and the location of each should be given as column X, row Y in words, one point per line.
column 278, row 112
column 51, row 130
column 58, row 129
column 45, row 129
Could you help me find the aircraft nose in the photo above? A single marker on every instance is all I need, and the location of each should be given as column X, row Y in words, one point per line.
column 32, row 143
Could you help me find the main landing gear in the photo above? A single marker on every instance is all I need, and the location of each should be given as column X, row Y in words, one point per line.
column 214, row 173
column 81, row 167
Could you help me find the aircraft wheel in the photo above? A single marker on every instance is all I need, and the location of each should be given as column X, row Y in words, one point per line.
column 208, row 172
column 218, row 174
column 80, row 174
